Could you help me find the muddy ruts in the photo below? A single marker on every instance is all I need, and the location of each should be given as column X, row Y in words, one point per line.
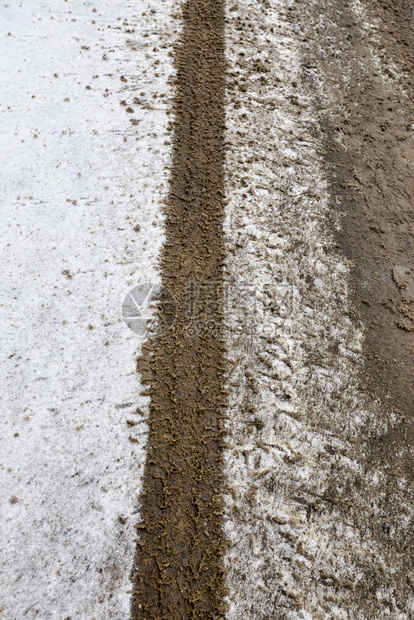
column 178, row 571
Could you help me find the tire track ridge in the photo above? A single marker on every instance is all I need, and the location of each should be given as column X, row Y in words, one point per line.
column 178, row 570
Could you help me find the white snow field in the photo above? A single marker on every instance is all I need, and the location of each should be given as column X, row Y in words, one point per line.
column 84, row 161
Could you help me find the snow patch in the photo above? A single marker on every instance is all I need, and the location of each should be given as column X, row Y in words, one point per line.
column 85, row 157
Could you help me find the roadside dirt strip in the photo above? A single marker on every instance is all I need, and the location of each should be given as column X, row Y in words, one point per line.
column 179, row 565
column 314, row 296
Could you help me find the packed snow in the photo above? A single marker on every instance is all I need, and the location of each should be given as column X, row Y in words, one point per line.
column 85, row 155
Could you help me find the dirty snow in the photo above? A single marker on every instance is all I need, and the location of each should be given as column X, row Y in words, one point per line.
column 300, row 498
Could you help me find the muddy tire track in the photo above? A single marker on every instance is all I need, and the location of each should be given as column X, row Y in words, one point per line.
column 178, row 570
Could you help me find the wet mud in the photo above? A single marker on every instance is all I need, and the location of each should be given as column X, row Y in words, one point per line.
column 390, row 318
column 178, row 571
column 368, row 137
column 371, row 176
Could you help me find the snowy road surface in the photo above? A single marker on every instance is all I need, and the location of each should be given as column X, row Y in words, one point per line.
column 317, row 502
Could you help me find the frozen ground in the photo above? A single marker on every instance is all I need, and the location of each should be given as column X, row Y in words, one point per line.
column 304, row 508
column 83, row 178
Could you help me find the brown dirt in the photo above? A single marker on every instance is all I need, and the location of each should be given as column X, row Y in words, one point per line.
column 365, row 112
column 390, row 358
column 178, row 569
column 371, row 178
